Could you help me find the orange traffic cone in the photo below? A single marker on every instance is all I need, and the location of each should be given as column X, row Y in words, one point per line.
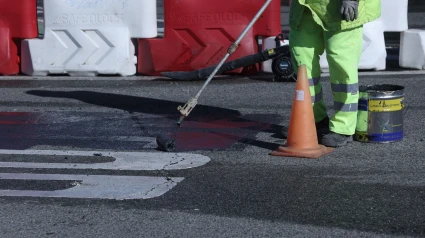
column 302, row 136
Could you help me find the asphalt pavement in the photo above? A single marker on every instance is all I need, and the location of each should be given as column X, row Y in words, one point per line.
column 362, row 190
column 92, row 167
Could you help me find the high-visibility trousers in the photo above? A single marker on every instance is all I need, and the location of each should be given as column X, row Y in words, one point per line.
column 343, row 51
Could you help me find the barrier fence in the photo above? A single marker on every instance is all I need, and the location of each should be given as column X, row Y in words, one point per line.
column 124, row 37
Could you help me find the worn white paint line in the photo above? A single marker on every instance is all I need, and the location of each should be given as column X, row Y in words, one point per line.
column 123, row 160
column 150, row 144
column 96, row 186
column 100, row 138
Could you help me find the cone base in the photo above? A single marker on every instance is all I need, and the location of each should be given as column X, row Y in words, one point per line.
column 311, row 153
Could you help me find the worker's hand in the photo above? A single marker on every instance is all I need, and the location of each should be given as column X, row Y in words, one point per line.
column 349, row 10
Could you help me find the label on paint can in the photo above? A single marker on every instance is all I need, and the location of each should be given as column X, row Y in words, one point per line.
column 380, row 114
column 386, row 105
column 299, row 95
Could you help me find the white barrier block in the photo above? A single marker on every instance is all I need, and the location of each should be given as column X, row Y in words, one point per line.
column 374, row 53
column 80, row 52
column 270, row 43
column 412, row 49
column 138, row 15
column 89, row 37
column 394, row 15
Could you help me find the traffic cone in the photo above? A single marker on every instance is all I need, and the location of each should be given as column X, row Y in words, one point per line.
column 302, row 136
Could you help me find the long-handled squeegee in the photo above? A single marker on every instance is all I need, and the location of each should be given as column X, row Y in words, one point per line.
column 188, row 107
column 167, row 144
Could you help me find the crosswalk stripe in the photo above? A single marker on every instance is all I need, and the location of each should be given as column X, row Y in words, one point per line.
column 95, row 186
column 123, row 160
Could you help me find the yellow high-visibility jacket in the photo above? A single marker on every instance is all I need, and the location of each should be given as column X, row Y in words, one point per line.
column 327, row 13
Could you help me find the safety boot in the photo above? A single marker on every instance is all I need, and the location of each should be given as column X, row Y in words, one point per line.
column 322, row 128
column 333, row 139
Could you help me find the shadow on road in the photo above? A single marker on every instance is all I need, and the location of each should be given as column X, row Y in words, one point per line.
column 205, row 122
column 133, row 103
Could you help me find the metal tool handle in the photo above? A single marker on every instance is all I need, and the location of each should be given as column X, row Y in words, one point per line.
column 232, row 48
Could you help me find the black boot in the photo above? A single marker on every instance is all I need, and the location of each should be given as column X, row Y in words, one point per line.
column 333, row 139
column 322, row 128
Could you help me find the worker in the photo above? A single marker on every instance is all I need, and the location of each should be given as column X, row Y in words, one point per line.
column 337, row 26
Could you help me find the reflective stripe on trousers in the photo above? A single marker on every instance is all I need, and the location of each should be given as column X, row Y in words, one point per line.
column 343, row 51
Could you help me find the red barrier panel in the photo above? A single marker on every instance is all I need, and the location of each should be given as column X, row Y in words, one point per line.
column 198, row 34
column 18, row 20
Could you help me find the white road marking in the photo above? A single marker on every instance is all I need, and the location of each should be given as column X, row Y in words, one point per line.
column 150, row 145
column 102, row 186
column 123, row 160
column 149, row 142
column 96, row 186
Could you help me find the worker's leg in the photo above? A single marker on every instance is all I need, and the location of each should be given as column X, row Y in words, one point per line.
column 307, row 44
column 343, row 51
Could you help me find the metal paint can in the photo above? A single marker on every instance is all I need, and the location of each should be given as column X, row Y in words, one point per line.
column 380, row 113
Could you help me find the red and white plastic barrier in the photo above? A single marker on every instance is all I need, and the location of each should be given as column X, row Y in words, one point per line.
column 92, row 37
column 198, row 33
column 18, row 20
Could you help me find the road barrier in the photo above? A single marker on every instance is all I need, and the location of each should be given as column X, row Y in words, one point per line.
column 119, row 37
column 18, row 20
column 412, row 49
column 198, row 35
column 394, row 15
column 91, row 37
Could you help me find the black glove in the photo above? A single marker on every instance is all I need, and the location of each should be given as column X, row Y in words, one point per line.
column 349, row 10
